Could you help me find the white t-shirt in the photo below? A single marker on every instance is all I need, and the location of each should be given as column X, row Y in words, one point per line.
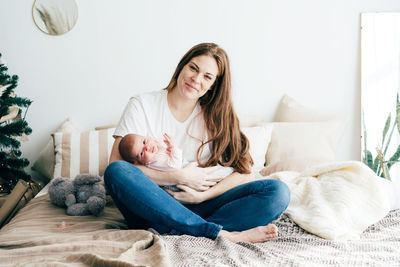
column 148, row 114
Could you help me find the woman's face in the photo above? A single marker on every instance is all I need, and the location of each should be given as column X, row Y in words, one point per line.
column 197, row 77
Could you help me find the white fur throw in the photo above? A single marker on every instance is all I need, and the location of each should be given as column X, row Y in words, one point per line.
column 335, row 201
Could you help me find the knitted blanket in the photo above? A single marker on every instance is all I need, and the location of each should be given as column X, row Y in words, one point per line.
column 378, row 245
column 337, row 200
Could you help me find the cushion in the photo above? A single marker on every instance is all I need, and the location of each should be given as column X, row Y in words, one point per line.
column 247, row 120
column 259, row 138
column 290, row 110
column 84, row 152
column 45, row 162
column 295, row 146
column 287, row 152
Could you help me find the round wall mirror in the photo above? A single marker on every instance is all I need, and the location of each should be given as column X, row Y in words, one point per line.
column 55, row 17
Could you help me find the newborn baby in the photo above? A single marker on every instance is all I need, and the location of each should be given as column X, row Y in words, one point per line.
column 158, row 155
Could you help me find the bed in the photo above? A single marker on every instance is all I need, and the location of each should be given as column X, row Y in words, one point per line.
column 34, row 237
column 345, row 220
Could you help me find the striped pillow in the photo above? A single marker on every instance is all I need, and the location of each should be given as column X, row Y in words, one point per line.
column 82, row 152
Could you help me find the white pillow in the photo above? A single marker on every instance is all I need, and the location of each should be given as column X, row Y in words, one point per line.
column 294, row 146
column 84, row 152
column 259, row 138
column 45, row 163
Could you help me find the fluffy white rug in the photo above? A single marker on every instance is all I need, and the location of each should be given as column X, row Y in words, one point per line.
column 337, row 200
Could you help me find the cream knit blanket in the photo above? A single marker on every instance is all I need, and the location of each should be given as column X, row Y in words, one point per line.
column 336, row 201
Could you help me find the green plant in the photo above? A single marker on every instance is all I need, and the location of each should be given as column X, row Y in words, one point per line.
column 379, row 164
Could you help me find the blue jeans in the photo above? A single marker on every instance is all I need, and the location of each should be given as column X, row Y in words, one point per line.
column 144, row 204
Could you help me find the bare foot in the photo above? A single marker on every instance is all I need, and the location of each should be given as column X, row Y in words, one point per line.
column 254, row 235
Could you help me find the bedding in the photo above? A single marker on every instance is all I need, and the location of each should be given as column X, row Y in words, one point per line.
column 379, row 245
column 45, row 162
column 291, row 110
column 298, row 145
column 42, row 234
column 259, row 138
column 336, row 200
column 82, row 152
column 302, row 137
column 35, row 236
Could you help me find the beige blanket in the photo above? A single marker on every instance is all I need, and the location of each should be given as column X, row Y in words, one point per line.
column 34, row 237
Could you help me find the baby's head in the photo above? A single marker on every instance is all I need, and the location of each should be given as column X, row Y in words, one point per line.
column 138, row 149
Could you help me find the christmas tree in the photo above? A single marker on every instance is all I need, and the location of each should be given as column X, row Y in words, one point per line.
column 13, row 128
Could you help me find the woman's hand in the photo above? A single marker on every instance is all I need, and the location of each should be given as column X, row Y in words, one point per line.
column 188, row 195
column 198, row 178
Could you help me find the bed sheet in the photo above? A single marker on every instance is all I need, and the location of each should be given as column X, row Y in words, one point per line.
column 34, row 237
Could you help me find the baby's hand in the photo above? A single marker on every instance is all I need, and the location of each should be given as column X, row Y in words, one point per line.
column 169, row 142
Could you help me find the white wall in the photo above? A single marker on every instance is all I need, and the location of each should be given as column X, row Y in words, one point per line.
column 309, row 49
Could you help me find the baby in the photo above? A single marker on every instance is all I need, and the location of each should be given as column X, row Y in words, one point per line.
column 158, row 155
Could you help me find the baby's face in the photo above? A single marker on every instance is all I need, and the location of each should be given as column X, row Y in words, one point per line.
column 144, row 149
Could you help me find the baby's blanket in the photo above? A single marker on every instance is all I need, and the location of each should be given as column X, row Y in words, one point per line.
column 337, row 200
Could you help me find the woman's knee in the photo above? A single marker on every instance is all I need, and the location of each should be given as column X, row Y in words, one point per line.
column 280, row 192
column 113, row 170
column 118, row 171
column 113, row 166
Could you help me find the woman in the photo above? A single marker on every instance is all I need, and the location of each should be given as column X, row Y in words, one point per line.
column 196, row 109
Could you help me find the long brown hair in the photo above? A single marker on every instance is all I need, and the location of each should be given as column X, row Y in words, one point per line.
column 229, row 146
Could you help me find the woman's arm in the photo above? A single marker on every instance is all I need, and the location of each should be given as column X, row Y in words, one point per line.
column 115, row 151
column 228, row 183
column 193, row 176
column 189, row 195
